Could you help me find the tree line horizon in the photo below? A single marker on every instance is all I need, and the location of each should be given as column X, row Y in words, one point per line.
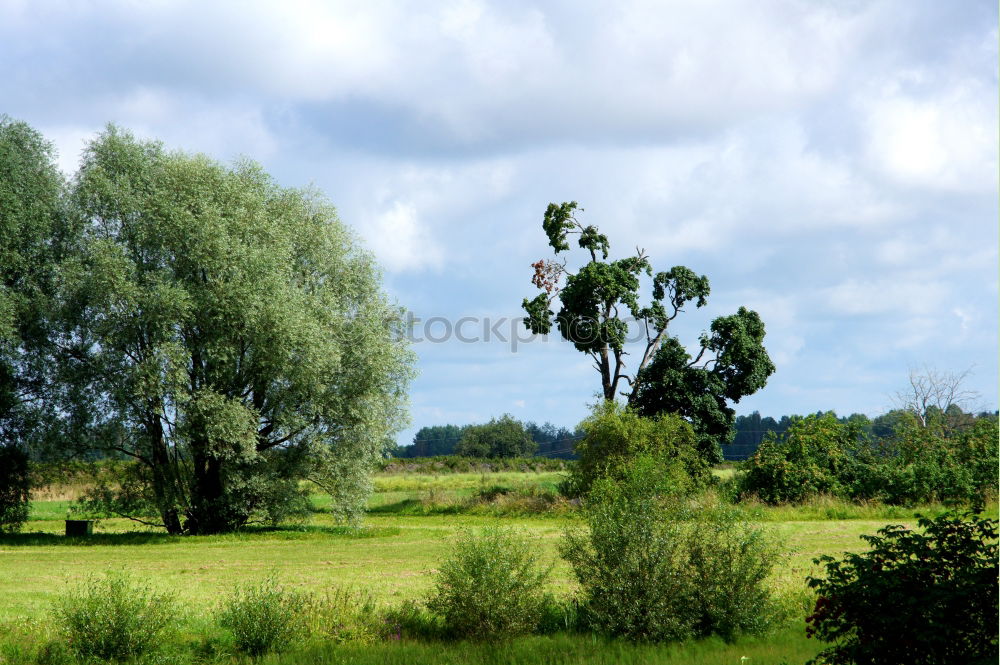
column 749, row 432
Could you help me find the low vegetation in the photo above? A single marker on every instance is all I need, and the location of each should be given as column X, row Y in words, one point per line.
column 653, row 568
column 115, row 617
column 914, row 598
column 491, row 586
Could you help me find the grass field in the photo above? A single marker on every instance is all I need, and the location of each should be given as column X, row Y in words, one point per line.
column 411, row 522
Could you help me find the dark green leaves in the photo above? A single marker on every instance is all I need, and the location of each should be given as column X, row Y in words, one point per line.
column 741, row 360
column 914, row 598
column 558, row 221
column 598, row 298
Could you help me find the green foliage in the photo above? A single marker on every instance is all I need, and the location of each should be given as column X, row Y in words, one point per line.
column 115, row 618
column 914, row 598
column 15, row 488
column 918, row 463
column 229, row 335
column 503, row 437
column 614, row 436
column 807, row 461
column 491, row 586
column 34, row 237
column 265, row 616
column 653, row 569
column 731, row 364
column 671, row 383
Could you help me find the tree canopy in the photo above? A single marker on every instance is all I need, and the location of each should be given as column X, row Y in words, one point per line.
column 594, row 301
column 34, row 235
column 501, row 437
column 225, row 334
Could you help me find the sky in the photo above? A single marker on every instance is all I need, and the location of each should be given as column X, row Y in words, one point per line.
column 831, row 165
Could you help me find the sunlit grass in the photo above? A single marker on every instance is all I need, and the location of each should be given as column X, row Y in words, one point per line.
column 410, row 526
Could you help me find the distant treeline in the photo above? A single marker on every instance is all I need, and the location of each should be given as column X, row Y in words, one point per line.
column 748, row 433
column 751, row 430
column 551, row 441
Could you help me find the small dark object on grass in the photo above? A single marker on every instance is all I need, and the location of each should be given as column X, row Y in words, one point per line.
column 79, row 527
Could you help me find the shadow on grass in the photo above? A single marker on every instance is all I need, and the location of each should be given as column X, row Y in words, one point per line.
column 292, row 532
column 55, row 539
column 414, row 507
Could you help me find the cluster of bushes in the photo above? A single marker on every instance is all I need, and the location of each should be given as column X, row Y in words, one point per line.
column 454, row 464
column 119, row 618
column 920, row 462
column 653, row 566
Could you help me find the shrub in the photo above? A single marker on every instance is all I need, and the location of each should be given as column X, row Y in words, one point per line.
column 653, row 569
column 491, row 586
column 809, row 459
column 614, row 435
column 915, row 598
column 265, row 617
column 15, row 488
column 115, row 618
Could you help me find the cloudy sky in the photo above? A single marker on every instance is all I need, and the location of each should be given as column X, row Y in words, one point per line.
column 832, row 165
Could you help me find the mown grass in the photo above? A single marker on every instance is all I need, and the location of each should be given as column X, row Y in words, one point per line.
column 410, row 526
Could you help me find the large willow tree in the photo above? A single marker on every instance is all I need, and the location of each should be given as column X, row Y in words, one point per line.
column 229, row 337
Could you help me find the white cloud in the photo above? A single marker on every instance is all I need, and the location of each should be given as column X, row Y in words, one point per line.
column 912, row 294
column 948, row 141
column 401, row 242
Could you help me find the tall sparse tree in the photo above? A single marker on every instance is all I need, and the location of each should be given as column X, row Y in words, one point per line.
column 232, row 338
column 731, row 363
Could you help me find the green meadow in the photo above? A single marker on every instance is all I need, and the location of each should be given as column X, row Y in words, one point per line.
column 411, row 523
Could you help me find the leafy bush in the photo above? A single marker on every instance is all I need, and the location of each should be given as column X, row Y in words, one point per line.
column 614, row 435
column 918, row 463
column 115, row 618
column 808, row 460
column 915, row 598
column 654, row 569
column 15, row 488
column 265, row 617
column 491, row 586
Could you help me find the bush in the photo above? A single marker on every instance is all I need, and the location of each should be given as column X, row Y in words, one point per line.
column 15, row 488
column 115, row 618
column 809, row 459
column 491, row 586
column 614, row 435
column 915, row 598
column 653, row 569
column 265, row 616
